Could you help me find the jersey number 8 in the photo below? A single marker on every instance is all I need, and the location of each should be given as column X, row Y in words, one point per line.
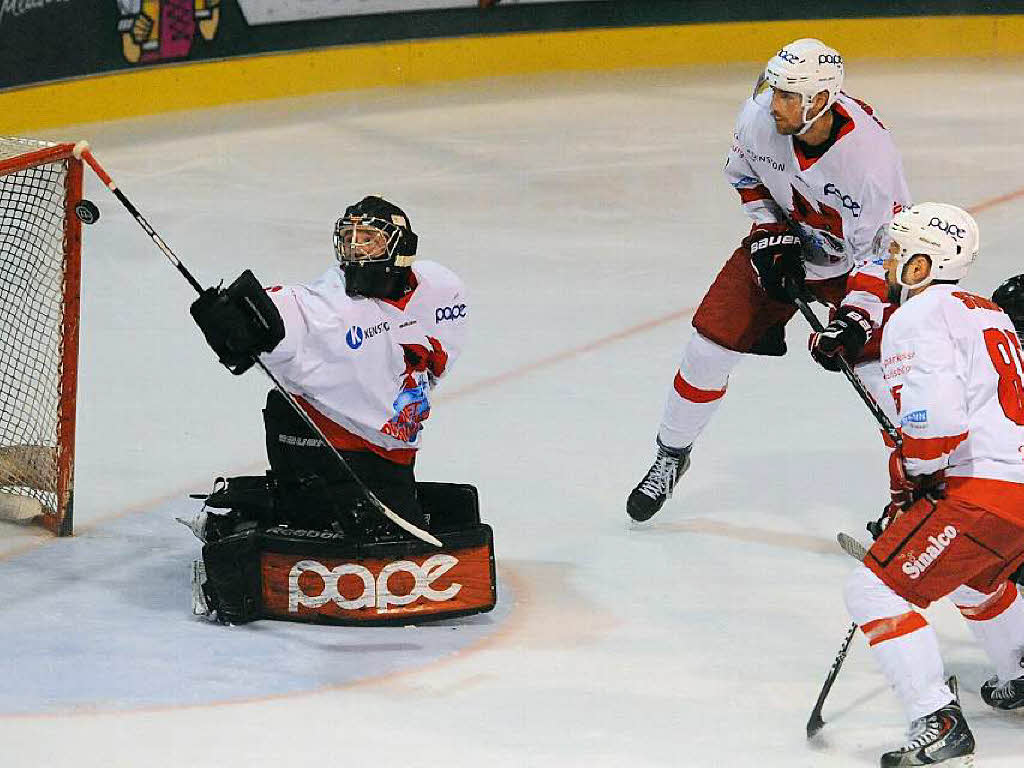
column 1004, row 349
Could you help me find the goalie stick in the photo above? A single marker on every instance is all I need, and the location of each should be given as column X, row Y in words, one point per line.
column 82, row 152
column 815, row 723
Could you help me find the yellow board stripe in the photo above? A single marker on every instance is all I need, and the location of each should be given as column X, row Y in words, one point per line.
column 204, row 84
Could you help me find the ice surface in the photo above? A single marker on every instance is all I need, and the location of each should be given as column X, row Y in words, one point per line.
column 587, row 214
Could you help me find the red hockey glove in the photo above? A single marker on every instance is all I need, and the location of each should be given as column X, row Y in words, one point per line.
column 904, row 490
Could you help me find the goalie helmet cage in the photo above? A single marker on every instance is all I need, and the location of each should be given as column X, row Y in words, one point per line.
column 40, row 278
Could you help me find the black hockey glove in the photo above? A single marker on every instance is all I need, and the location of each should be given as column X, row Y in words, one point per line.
column 846, row 335
column 239, row 323
column 777, row 256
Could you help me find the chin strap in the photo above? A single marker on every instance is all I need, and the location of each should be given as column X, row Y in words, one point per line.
column 808, row 122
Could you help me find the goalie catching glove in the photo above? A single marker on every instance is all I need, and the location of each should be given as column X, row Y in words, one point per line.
column 845, row 336
column 239, row 323
column 777, row 257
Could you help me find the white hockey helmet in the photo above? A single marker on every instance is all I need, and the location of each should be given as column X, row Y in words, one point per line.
column 947, row 235
column 806, row 66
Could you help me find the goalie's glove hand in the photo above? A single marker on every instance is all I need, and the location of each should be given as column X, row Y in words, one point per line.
column 239, row 323
column 845, row 336
column 777, row 257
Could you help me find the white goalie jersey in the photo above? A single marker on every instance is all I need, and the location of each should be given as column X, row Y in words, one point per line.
column 837, row 201
column 365, row 368
column 953, row 363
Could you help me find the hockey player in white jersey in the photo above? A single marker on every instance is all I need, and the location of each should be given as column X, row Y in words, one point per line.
column 363, row 347
column 954, row 366
column 360, row 351
column 818, row 174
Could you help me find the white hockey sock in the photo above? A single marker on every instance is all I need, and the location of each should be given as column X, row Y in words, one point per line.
column 997, row 623
column 697, row 390
column 902, row 642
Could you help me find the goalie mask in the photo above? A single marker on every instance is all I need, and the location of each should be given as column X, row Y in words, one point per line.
column 806, row 67
column 947, row 235
column 375, row 247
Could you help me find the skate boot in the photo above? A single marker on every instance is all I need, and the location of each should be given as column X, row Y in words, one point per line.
column 656, row 487
column 1009, row 695
column 941, row 738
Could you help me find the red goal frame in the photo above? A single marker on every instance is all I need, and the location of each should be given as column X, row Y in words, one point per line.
column 60, row 521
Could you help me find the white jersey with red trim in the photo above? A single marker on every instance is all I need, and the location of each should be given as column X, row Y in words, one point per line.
column 369, row 365
column 837, row 201
column 953, row 363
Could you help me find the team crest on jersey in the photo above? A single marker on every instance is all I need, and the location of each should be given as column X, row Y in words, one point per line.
column 821, row 223
column 412, row 406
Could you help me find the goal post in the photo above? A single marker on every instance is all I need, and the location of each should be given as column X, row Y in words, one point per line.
column 40, row 281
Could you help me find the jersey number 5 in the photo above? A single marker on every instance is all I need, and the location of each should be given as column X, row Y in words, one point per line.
column 1004, row 349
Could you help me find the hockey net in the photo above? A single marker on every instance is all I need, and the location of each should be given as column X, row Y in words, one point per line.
column 40, row 242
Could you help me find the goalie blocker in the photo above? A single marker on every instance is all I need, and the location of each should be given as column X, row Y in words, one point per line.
column 260, row 571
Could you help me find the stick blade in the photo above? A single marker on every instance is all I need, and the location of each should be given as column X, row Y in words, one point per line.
column 814, row 724
column 851, row 546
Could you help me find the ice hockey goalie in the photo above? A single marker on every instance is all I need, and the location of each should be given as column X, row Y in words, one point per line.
column 358, row 353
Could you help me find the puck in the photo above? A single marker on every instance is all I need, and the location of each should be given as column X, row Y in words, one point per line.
column 87, row 212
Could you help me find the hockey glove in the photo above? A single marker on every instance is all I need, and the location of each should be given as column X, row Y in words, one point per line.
column 239, row 323
column 905, row 490
column 846, row 335
column 777, row 256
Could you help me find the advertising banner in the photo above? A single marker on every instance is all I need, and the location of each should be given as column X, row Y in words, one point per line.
column 275, row 11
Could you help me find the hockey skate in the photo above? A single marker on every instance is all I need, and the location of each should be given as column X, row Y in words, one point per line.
column 1009, row 695
column 941, row 738
column 659, row 482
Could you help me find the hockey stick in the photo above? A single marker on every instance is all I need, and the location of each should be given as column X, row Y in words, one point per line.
column 82, row 152
column 851, row 376
column 815, row 723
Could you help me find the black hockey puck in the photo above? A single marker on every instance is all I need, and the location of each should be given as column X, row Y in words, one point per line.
column 87, row 212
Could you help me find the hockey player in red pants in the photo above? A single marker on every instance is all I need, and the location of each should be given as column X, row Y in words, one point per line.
column 818, row 173
column 954, row 366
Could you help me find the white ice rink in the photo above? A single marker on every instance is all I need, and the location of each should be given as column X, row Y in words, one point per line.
column 587, row 214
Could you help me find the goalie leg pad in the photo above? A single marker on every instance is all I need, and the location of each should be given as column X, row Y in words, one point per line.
column 232, row 586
